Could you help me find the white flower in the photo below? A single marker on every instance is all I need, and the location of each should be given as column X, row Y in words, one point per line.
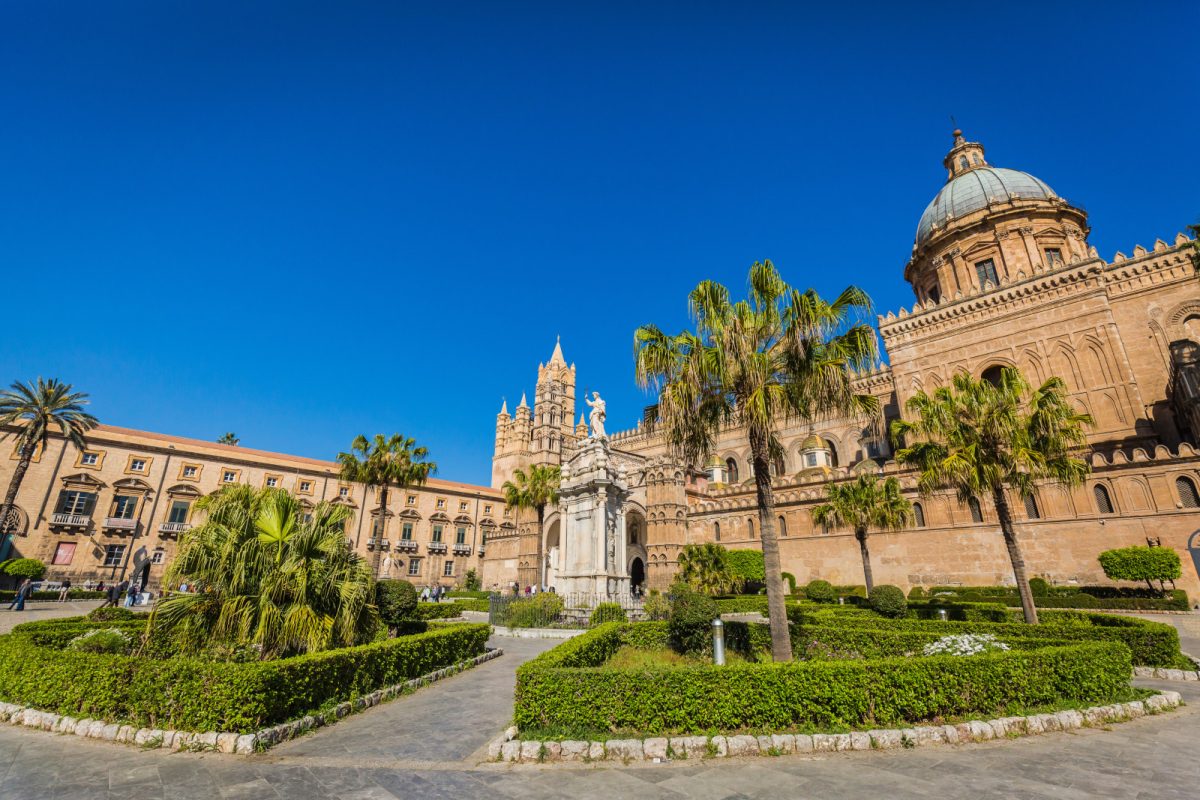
column 965, row 644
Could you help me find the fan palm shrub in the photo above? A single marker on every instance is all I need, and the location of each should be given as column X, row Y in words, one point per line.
column 28, row 412
column 534, row 488
column 706, row 569
column 383, row 462
column 262, row 573
column 984, row 438
column 780, row 355
column 862, row 504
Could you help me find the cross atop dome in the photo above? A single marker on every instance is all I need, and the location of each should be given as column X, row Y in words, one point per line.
column 963, row 157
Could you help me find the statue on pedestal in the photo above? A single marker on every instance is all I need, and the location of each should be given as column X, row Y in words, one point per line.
column 597, row 416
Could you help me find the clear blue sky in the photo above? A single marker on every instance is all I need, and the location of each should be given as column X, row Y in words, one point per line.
column 302, row 221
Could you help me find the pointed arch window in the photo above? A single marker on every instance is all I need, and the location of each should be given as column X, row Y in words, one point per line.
column 1031, row 508
column 716, row 531
column 777, row 466
column 976, row 510
column 732, row 468
column 782, row 526
column 750, row 527
column 1103, row 500
column 1187, row 492
column 918, row 515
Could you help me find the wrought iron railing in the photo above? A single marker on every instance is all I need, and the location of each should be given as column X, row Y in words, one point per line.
column 552, row 610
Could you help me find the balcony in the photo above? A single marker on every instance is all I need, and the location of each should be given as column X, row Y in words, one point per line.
column 71, row 520
column 437, row 547
column 406, row 546
column 462, row 549
column 481, row 552
column 378, row 544
column 168, row 528
column 120, row 524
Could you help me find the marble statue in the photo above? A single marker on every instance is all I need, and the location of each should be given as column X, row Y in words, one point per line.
column 597, row 416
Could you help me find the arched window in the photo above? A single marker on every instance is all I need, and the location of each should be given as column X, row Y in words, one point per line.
column 918, row 515
column 716, row 531
column 1031, row 508
column 1103, row 501
column 777, row 466
column 750, row 527
column 976, row 511
column 782, row 526
column 992, row 374
column 833, row 458
column 962, row 162
column 732, row 469
column 1187, row 492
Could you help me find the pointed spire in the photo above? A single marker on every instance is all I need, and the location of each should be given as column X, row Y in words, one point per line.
column 504, row 408
column 557, row 357
column 524, row 403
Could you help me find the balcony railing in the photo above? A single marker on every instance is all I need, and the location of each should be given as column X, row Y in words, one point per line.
column 406, row 546
column 120, row 523
column 481, row 552
column 378, row 544
column 462, row 549
column 71, row 520
column 174, row 527
column 437, row 547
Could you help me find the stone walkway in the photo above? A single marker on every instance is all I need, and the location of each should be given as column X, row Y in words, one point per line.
column 428, row 745
column 44, row 610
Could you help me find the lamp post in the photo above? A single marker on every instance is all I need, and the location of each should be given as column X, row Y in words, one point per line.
column 718, row 629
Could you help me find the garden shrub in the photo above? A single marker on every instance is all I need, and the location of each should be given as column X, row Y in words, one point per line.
column 747, row 567
column 1141, row 564
column 657, row 606
column 396, row 601
column 75, row 594
column 113, row 613
column 888, row 600
column 960, row 612
column 472, row 604
column 791, row 582
column 439, row 610
column 537, row 611
column 472, row 580
column 608, row 612
column 473, row 594
column 1092, row 597
column 196, row 695
column 1039, row 587
column 917, row 593
column 568, row 688
column 690, row 623
column 102, row 640
column 22, row 568
column 819, row 591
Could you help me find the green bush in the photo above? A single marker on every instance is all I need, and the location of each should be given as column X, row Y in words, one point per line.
column 102, row 640
column 473, row 594
column 396, row 601
column 21, row 568
column 690, row 623
column 917, row 593
column 538, row 611
column 1141, row 564
column 888, row 600
column 568, row 688
column 747, row 567
column 608, row 612
column 657, row 606
column 791, row 582
column 194, row 695
column 472, row 604
column 1039, row 587
column 472, row 581
column 960, row 612
column 819, row 591
column 1091, row 597
column 113, row 613
column 75, row 594
column 439, row 610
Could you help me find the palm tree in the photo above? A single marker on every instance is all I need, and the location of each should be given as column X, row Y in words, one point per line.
column 981, row 438
column 705, row 569
column 229, row 438
column 263, row 573
column 382, row 462
column 781, row 354
column 27, row 412
column 862, row 504
column 535, row 488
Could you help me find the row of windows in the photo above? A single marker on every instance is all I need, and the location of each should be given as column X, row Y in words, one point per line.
column 985, row 271
column 406, row 532
column 414, row 567
column 113, row 555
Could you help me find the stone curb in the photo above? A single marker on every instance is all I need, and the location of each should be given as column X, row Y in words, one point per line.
column 507, row 748
column 227, row 742
column 1166, row 674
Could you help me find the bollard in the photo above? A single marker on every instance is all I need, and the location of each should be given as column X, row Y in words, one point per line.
column 718, row 642
column 942, row 614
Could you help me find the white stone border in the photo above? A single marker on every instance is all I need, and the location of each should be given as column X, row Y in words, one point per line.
column 223, row 742
column 507, row 748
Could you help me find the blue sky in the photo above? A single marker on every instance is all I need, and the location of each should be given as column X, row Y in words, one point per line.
column 302, row 221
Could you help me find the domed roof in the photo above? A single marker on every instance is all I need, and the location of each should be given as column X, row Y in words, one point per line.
column 814, row 442
column 976, row 189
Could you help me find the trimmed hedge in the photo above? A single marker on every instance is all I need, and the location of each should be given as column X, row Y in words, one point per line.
column 446, row 610
column 1092, row 597
column 194, row 695
column 567, row 688
column 473, row 604
column 7, row 595
column 470, row 594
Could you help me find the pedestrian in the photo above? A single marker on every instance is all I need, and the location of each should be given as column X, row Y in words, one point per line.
column 425, row 594
column 65, row 591
column 131, row 595
column 110, row 596
column 101, row 587
column 23, row 592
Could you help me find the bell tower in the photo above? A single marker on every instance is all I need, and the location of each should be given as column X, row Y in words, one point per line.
column 542, row 434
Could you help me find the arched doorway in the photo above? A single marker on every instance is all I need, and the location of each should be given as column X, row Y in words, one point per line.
column 1194, row 551
column 637, row 575
column 552, row 564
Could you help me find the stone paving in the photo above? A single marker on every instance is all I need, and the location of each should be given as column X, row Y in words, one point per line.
column 428, row 745
column 44, row 610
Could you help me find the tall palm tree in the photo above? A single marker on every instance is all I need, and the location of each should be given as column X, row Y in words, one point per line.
column 705, row 568
column 862, row 504
column 981, row 438
column 27, row 412
column 781, row 354
column 383, row 462
column 264, row 574
column 536, row 489
column 229, row 438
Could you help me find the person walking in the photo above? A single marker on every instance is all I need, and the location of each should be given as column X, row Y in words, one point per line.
column 65, row 591
column 425, row 594
column 131, row 595
column 23, row 592
column 110, row 596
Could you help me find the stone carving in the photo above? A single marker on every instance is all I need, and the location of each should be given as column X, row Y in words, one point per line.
column 597, row 416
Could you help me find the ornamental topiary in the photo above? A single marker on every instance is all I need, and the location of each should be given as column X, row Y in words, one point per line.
column 689, row 628
column 1040, row 587
column 1141, row 564
column 819, row 591
column 608, row 612
column 888, row 600
column 25, row 568
column 917, row 593
column 396, row 600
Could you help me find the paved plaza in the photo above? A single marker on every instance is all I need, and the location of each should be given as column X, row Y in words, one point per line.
column 431, row 744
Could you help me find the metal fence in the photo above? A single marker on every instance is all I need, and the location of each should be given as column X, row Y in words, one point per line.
column 551, row 610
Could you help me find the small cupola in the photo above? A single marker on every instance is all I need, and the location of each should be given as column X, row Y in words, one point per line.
column 963, row 157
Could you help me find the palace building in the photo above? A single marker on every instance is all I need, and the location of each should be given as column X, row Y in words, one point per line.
column 1002, row 275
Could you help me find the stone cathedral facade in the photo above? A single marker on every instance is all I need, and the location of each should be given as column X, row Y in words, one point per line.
column 1003, row 275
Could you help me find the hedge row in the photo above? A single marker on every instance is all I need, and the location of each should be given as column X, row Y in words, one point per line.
column 194, row 695
column 563, row 689
column 472, row 594
column 7, row 595
column 1152, row 644
column 1086, row 597
column 473, row 604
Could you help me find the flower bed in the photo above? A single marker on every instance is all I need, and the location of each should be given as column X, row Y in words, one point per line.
column 569, row 689
column 191, row 694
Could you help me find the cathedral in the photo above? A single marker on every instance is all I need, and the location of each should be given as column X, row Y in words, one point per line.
column 1002, row 275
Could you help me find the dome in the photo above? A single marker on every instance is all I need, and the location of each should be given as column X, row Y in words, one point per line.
column 813, row 442
column 975, row 190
